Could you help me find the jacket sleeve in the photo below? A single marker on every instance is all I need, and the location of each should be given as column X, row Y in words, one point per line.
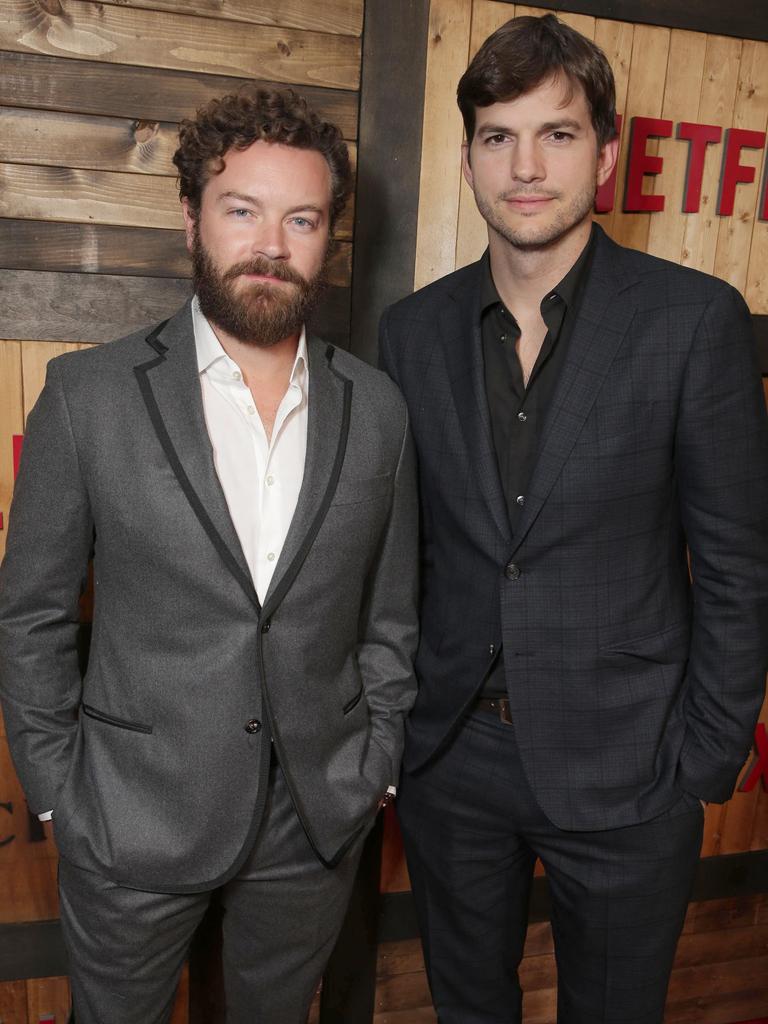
column 389, row 629
column 721, row 461
column 49, row 540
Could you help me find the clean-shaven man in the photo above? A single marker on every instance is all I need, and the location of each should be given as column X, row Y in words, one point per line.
column 247, row 493
column 582, row 414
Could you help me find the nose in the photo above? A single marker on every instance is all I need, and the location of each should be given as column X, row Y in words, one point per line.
column 526, row 162
column 270, row 241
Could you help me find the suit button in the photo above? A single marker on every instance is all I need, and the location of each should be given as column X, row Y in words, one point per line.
column 512, row 571
column 265, row 627
column 253, row 726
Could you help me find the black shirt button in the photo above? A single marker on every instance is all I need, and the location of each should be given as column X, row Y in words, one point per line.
column 522, row 417
column 520, row 499
column 253, row 726
column 512, row 571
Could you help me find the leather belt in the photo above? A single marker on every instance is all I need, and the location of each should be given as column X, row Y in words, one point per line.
column 498, row 706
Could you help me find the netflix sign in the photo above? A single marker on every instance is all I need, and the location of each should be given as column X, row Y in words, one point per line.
column 736, row 166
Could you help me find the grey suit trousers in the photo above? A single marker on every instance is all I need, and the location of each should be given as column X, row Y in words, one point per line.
column 282, row 913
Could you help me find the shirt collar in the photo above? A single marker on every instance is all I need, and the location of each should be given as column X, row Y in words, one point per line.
column 568, row 289
column 210, row 352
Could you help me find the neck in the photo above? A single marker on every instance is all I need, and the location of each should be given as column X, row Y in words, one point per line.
column 260, row 363
column 524, row 276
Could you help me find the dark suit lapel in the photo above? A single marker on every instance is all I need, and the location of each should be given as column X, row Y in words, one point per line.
column 462, row 344
column 601, row 325
column 330, row 406
column 170, row 386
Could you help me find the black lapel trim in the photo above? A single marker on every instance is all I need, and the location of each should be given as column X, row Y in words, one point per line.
column 190, row 493
column 298, row 559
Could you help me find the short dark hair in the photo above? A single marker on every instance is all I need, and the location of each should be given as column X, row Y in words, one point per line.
column 251, row 114
column 527, row 51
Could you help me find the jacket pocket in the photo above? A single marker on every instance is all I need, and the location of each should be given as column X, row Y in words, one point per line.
column 119, row 723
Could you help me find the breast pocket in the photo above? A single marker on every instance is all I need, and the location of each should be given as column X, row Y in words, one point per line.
column 354, row 491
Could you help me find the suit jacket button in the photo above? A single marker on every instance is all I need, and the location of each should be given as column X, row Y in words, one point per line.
column 512, row 571
column 265, row 627
column 253, row 726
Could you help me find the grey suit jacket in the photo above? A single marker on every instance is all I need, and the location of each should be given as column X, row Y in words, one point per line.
column 627, row 683
column 153, row 778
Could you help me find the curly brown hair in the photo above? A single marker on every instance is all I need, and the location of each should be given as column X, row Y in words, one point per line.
column 251, row 114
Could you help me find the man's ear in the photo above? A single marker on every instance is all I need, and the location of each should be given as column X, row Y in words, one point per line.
column 189, row 223
column 466, row 166
column 606, row 160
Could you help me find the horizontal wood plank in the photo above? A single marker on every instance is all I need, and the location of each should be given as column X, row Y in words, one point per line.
column 84, row 307
column 31, row 192
column 112, row 249
column 124, row 35
column 47, row 306
column 344, row 17
column 57, row 83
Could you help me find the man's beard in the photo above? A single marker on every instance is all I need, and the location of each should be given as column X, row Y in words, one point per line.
column 258, row 312
column 532, row 236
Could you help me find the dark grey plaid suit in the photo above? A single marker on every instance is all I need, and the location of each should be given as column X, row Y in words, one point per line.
column 632, row 691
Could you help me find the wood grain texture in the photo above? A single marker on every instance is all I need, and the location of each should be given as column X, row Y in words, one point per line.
column 718, row 93
column 31, row 192
column 29, row 890
column 35, row 356
column 11, row 422
column 13, row 1001
column 84, row 307
column 110, row 249
column 734, row 238
column 448, row 45
column 344, row 17
column 79, row 140
column 685, row 71
column 88, row 87
column 47, row 998
column 123, row 35
column 615, row 39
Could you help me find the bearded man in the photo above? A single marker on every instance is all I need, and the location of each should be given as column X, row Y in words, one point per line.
column 247, row 494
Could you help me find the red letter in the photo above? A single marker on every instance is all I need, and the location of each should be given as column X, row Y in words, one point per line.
column 699, row 135
column 18, row 440
column 640, row 163
column 605, row 194
column 759, row 767
column 734, row 172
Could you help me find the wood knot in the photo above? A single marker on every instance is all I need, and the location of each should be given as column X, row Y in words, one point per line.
column 145, row 131
column 284, row 48
column 437, row 38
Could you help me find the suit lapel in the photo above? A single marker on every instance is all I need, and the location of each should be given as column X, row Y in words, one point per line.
column 170, row 386
column 600, row 327
column 330, row 406
column 462, row 344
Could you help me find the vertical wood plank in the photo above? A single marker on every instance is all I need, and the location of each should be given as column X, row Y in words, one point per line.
column 615, row 39
column 181, row 1006
column 13, row 1002
column 47, row 1000
column 448, row 45
column 718, row 93
column 35, row 356
column 583, row 23
column 750, row 111
column 11, row 422
column 645, row 92
column 685, row 70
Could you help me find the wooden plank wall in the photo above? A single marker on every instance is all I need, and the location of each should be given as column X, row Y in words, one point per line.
column 91, row 240
column 721, row 971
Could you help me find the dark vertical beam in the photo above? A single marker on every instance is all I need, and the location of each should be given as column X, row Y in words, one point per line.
column 389, row 162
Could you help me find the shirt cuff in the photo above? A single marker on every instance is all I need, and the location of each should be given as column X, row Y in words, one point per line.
column 45, row 816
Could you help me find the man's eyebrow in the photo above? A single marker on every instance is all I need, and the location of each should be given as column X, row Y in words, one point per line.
column 566, row 122
column 242, row 197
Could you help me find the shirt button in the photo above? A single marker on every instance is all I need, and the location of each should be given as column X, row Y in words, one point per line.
column 502, row 337
column 271, row 556
column 253, row 726
column 237, row 375
column 522, row 417
column 251, row 410
column 512, row 571
column 270, row 481
column 520, row 499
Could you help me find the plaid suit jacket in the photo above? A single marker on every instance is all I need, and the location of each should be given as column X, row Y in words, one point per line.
column 628, row 682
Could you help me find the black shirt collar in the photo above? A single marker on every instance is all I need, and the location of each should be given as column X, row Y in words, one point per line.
column 568, row 290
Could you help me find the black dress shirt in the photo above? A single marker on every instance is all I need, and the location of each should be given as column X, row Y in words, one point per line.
column 518, row 412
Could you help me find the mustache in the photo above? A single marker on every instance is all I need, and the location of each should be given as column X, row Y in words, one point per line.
column 268, row 268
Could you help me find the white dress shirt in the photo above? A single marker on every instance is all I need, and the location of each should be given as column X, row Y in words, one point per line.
column 261, row 478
